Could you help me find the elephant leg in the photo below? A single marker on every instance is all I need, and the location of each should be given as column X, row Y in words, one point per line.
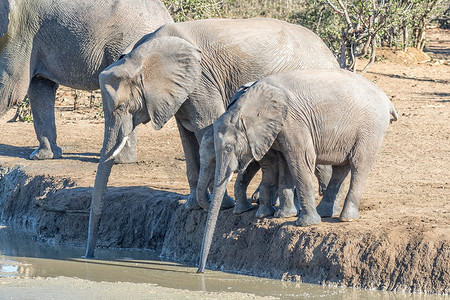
column 323, row 174
column 128, row 154
column 269, row 184
column 287, row 207
column 361, row 164
column 302, row 170
column 265, row 208
column 329, row 205
column 240, row 188
column 191, row 153
column 42, row 94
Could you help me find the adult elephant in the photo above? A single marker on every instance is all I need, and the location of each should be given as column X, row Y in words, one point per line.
column 44, row 43
column 191, row 71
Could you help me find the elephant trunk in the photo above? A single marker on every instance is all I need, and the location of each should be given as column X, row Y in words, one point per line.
column 114, row 135
column 15, row 69
column 222, row 177
column 13, row 88
column 205, row 178
column 101, row 180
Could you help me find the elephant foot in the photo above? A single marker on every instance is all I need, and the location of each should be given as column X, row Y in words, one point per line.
column 308, row 218
column 265, row 211
column 191, row 203
column 328, row 209
column 242, row 207
column 44, row 153
column 286, row 212
column 349, row 214
column 228, row 202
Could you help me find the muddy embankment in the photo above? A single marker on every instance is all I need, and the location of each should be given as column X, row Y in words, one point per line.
column 55, row 210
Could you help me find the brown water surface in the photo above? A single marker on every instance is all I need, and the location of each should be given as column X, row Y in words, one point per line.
column 32, row 270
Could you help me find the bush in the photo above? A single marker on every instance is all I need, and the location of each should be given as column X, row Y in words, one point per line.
column 351, row 28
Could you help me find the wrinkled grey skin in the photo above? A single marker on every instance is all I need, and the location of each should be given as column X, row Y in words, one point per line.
column 328, row 117
column 191, row 70
column 274, row 184
column 270, row 169
column 45, row 43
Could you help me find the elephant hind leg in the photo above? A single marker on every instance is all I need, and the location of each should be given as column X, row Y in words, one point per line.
column 42, row 94
column 329, row 205
column 302, row 164
column 361, row 164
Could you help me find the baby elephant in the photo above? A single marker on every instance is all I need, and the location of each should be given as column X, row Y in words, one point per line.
column 275, row 182
column 330, row 117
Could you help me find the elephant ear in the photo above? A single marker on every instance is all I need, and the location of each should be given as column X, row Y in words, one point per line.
column 4, row 16
column 264, row 110
column 241, row 90
column 169, row 71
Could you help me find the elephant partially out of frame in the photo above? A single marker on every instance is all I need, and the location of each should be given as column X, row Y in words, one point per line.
column 191, row 70
column 330, row 117
column 44, row 43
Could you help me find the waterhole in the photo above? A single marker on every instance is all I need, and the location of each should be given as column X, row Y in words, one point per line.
column 23, row 258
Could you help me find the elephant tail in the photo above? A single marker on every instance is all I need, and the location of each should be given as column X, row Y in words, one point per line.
column 393, row 112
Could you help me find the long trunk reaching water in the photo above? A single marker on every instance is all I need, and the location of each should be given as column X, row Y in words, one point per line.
column 101, row 180
column 220, row 187
column 111, row 148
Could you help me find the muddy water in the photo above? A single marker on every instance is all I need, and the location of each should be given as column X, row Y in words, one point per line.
column 24, row 263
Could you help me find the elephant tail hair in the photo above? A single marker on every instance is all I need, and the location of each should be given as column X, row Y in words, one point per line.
column 393, row 112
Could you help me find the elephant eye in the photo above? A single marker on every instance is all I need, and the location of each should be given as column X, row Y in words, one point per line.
column 122, row 107
column 228, row 148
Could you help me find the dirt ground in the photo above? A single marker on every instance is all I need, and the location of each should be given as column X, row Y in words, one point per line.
column 401, row 241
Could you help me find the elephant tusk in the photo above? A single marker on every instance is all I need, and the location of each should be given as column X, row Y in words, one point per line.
column 122, row 144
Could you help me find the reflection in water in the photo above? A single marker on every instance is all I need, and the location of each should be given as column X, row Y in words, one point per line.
column 21, row 256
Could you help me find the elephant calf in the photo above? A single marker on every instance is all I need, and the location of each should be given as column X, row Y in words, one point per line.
column 275, row 183
column 331, row 117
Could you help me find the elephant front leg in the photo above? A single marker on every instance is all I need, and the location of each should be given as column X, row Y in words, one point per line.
column 269, row 184
column 192, row 157
column 287, row 207
column 240, row 188
column 41, row 93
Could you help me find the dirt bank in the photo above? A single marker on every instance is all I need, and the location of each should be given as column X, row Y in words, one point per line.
column 401, row 242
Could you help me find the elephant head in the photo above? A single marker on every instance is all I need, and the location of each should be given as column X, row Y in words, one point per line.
column 208, row 156
column 148, row 84
column 245, row 132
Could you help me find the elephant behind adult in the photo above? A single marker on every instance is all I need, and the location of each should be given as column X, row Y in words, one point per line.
column 330, row 117
column 44, row 43
column 191, row 71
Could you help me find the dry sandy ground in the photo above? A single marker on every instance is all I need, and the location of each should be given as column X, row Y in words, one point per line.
column 406, row 197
